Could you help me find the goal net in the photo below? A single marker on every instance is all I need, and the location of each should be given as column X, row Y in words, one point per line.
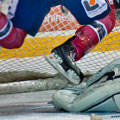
column 25, row 69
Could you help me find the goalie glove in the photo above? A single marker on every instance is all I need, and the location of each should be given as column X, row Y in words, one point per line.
column 102, row 95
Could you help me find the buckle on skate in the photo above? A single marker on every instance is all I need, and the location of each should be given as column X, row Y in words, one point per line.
column 70, row 74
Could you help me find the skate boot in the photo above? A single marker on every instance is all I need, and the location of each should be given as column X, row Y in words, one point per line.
column 62, row 60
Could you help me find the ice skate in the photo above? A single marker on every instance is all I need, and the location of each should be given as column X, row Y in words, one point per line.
column 61, row 59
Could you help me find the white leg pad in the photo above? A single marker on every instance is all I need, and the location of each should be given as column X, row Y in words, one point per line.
column 94, row 98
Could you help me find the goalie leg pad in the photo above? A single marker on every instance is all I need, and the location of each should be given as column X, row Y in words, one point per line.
column 101, row 97
column 101, row 93
column 117, row 4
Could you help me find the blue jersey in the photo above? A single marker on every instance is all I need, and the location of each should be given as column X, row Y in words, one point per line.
column 29, row 14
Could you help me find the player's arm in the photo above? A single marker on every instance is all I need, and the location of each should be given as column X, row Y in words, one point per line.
column 10, row 37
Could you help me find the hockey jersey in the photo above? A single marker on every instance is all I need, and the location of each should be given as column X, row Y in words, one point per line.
column 29, row 14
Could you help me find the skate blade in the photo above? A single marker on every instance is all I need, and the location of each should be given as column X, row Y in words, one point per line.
column 56, row 64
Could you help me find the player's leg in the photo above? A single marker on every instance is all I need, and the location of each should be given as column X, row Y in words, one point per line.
column 10, row 37
column 85, row 38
